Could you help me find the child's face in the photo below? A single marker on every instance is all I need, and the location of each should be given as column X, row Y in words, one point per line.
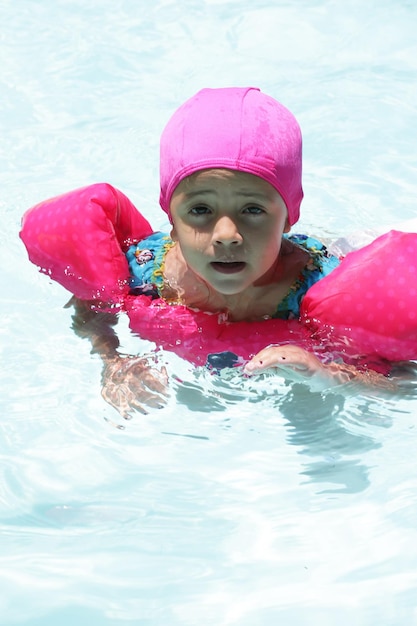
column 229, row 226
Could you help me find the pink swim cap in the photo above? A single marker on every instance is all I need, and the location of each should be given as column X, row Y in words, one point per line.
column 238, row 129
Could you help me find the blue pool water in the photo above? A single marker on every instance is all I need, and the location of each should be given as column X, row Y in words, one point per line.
column 239, row 504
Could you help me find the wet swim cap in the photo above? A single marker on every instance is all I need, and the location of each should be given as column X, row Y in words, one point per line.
column 234, row 128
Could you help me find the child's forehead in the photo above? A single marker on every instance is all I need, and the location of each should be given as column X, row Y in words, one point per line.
column 215, row 176
column 222, row 182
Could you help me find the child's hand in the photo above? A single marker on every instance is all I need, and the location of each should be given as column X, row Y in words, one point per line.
column 293, row 363
column 296, row 364
column 131, row 383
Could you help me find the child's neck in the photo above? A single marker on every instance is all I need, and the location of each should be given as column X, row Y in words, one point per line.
column 257, row 301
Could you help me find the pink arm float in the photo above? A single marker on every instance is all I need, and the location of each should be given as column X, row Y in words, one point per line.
column 365, row 307
column 79, row 240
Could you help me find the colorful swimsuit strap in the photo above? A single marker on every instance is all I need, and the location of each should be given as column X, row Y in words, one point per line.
column 320, row 264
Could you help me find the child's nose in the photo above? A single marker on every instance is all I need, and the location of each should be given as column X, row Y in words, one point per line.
column 226, row 232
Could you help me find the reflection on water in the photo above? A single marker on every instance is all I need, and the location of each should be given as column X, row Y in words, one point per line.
column 328, row 430
column 316, row 425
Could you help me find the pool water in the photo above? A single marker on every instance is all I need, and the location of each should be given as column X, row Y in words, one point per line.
column 240, row 503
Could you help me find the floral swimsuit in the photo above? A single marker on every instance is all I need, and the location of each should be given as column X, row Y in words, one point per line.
column 147, row 259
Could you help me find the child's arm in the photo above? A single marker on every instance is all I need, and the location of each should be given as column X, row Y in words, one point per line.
column 129, row 382
column 299, row 365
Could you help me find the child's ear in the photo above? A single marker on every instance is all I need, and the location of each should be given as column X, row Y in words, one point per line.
column 287, row 226
column 173, row 234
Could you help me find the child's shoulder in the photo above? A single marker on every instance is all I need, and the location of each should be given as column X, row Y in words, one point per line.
column 308, row 242
column 321, row 260
column 146, row 260
column 319, row 265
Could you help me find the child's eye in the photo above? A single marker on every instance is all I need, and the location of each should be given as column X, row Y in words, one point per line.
column 254, row 210
column 200, row 209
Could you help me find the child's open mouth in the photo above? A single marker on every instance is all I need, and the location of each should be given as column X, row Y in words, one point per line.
column 228, row 267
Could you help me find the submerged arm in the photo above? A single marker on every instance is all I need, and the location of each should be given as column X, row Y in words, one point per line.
column 89, row 322
column 129, row 383
column 299, row 365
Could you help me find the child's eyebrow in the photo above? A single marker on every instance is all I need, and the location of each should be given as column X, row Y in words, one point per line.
column 252, row 194
column 198, row 192
column 241, row 192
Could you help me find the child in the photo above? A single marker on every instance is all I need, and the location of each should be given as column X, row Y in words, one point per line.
column 230, row 170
